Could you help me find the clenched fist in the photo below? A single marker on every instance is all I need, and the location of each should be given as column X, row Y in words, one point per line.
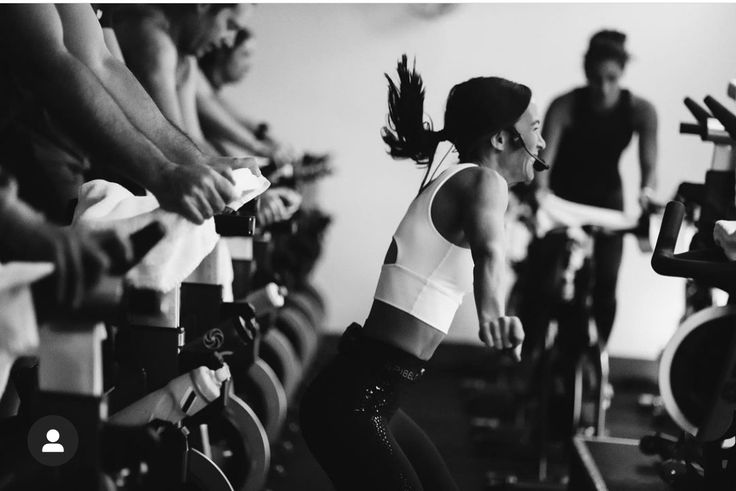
column 503, row 333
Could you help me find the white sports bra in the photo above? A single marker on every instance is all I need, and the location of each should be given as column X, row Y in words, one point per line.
column 431, row 275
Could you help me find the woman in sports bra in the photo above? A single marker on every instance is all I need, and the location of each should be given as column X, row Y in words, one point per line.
column 449, row 243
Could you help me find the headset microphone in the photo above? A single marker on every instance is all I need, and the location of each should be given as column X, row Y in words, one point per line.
column 539, row 164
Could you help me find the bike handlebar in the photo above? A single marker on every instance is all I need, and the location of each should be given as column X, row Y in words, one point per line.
column 235, row 225
column 708, row 265
column 708, row 127
column 142, row 242
column 726, row 117
column 700, row 114
column 106, row 299
column 691, row 129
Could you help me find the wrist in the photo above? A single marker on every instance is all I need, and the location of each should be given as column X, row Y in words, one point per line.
column 647, row 191
column 193, row 157
column 161, row 178
column 33, row 237
column 185, row 152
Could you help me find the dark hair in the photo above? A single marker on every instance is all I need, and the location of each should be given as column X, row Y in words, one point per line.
column 216, row 7
column 241, row 37
column 475, row 108
column 407, row 134
column 606, row 45
column 214, row 57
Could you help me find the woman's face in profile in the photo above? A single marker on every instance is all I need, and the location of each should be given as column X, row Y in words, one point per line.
column 603, row 80
column 529, row 127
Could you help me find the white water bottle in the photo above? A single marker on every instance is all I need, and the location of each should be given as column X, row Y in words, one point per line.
column 267, row 299
column 184, row 396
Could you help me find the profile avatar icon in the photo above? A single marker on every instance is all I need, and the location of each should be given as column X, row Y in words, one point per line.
column 43, row 440
column 53, row 447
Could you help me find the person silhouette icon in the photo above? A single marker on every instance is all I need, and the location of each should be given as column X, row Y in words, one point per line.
column 45, row 439
column 52, row 436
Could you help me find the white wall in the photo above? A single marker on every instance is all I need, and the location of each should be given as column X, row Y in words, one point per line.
column 318, row 78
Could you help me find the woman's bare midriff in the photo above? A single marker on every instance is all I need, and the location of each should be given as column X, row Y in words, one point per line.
column 402, row 330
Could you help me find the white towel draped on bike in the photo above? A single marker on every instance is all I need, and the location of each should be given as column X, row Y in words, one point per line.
column 557, row 212
column 105, row 205
column 724, row 234
column 18, row 329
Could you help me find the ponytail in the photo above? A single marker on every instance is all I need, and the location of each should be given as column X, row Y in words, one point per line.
column 407, row 135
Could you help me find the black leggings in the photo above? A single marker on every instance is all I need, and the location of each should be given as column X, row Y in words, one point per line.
column 352, row 423
column 607, row 254
column 539, row 286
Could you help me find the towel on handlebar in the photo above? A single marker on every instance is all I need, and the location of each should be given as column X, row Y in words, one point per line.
column 248, row 186
column 216, row 268
column 106, row 205
column 18, row 328
column 556, row 212
column 724, row 234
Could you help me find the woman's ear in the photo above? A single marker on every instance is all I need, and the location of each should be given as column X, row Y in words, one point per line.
column 499, row 141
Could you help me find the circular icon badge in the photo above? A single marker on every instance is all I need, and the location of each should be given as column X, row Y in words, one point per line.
column 213, row 339
column 53, row 440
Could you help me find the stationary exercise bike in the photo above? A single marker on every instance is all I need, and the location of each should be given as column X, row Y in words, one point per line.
column 698, row 370
column 566, row 359
column 70, row 382
column 696, row 373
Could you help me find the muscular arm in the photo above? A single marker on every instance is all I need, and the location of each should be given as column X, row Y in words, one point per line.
column 152, row 57
column 220, row 122
column 483, row 225
column 556, row 120
column 32, row 44
column 111, row 41
column 484, row 202
column 187, row 95
column 31, row 40
column 84, row 39
column 250, row 123
column 646, row 127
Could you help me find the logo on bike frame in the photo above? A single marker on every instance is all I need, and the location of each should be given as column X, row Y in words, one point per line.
column 213, row 339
